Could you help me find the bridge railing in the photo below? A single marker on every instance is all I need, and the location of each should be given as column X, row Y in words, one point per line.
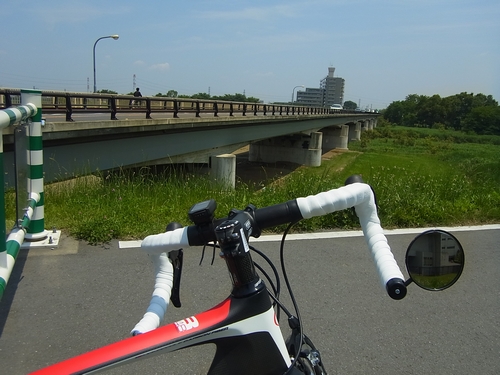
column 69, row 103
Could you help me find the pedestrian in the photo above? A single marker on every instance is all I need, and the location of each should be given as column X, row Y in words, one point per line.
column 137, row 94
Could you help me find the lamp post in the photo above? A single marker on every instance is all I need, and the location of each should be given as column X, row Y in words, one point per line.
column 293, row 91
column 115, row 37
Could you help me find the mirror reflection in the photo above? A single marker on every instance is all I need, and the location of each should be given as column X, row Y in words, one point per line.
column 435, row 260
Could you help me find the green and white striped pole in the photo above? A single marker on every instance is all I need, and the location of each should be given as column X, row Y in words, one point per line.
column 36, row 229
column 8, row 117
column 15, row 241
column 8, row 253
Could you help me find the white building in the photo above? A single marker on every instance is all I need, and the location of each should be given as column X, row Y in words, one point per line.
column 330, row 91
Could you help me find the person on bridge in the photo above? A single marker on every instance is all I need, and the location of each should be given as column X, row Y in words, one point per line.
column 137, row 94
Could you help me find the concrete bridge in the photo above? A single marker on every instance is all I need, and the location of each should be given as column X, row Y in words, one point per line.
column 287, row 133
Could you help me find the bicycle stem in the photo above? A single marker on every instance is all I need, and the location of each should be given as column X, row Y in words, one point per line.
column 232, row 236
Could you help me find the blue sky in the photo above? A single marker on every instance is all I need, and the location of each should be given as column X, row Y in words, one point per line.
column 383, row 49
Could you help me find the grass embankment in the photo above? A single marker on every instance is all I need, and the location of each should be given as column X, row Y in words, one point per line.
column 422, row 178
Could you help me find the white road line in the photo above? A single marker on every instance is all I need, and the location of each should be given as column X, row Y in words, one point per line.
column 339, row 234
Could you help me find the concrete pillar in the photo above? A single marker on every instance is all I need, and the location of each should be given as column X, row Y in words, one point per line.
column 296, row 148
column 328, row 139
column 313, row 154
column 336, row 137
column 343, row 137
column 224, row 168
column 354, row 131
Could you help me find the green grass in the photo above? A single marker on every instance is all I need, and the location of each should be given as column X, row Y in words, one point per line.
column 421, row 177
column 428, row 180
column 434, row 282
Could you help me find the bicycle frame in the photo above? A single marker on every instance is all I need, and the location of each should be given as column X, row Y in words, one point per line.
column 244, row 330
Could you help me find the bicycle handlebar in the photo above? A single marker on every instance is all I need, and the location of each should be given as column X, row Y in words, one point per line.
column 357, row 195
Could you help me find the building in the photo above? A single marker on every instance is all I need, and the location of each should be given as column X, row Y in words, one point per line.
column 330, row 91
column 311, row 97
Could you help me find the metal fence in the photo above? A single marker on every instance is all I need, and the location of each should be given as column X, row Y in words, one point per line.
column 69, row 103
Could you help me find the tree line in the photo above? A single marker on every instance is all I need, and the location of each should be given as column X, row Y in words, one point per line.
column 203, row 95
column 479, row 114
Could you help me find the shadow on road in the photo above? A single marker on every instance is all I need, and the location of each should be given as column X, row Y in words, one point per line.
column 10, row 291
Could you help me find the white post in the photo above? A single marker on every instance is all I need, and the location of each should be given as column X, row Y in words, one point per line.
column 36, row 230
column 224, row 167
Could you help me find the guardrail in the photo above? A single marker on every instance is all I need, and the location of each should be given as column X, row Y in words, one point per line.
column 31, row 225
column 73, row 102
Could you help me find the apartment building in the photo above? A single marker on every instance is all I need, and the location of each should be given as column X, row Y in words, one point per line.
column 330, row 91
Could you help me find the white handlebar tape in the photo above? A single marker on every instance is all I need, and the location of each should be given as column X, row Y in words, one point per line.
column 165, row 242
column 361, row 197
column 157, row 246
column 161, row 295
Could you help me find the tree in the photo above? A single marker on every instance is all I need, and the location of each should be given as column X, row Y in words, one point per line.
column 105, row 91
column 394, row 112
column 253, row 100
column 481, row 100
column 169, row 94
column 237, row 98
column 430, row 110
column 201, row 95
column 483, row 120
column 348, row 104
column 458, row 106
column 463, row 111
column 405, row 112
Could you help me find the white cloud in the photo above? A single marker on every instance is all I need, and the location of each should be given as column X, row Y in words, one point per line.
column 72, row 12
column 160, row 67
column 254, row 13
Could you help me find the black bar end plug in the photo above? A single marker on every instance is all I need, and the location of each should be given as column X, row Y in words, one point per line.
column 396, row 288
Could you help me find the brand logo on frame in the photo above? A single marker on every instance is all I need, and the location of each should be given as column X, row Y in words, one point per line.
column 187, row 324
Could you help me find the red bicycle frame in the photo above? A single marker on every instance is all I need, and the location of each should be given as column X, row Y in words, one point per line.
column 244, row 330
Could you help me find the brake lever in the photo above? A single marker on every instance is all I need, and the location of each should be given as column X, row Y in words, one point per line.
column 176, row 257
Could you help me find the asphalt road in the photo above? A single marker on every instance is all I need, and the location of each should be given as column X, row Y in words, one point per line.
column 74, row 298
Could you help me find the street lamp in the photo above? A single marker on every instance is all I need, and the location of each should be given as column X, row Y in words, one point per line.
column 115, row 36
column 293, row 91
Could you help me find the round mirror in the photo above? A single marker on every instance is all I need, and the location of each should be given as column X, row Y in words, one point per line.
column 435, row 260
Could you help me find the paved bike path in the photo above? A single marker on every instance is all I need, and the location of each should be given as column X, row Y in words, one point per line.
column 77, row 297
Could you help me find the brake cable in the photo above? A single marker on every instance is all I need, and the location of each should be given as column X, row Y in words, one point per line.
column 292, row 297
